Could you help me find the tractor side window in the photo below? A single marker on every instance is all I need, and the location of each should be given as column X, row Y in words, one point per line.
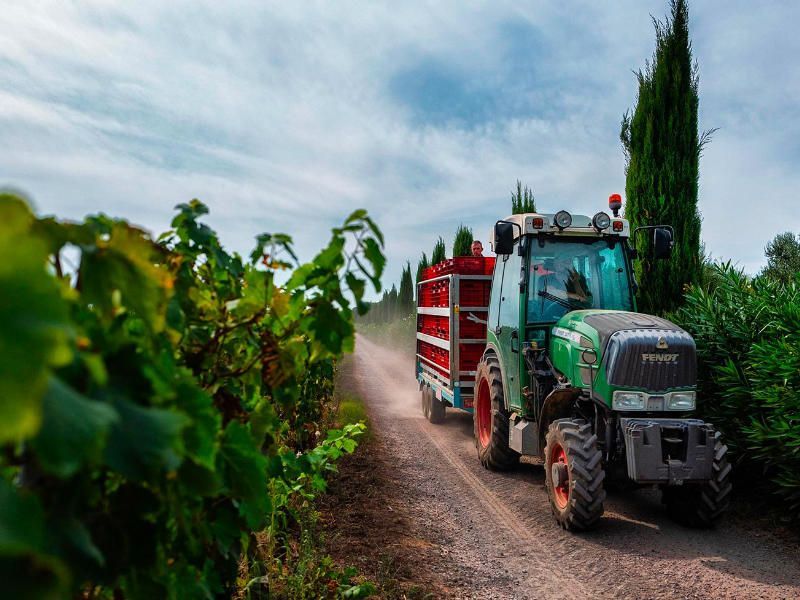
column 509, row 303
column 497, row 284
column 614, row 277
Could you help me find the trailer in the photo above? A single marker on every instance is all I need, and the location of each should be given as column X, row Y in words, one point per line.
column 452, row 306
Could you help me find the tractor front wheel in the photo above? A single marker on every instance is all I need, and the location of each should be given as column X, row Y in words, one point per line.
column 574, row 474
column 490, row 419
column 702, row 505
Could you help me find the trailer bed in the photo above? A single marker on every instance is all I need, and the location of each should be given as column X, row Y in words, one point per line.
column 452, row 308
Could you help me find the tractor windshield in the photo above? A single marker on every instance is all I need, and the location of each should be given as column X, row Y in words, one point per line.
column 576, row 273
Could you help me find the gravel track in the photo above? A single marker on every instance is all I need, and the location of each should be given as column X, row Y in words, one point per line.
column 497, row 536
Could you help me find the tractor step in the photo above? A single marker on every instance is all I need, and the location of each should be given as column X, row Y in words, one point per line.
column 523, row 436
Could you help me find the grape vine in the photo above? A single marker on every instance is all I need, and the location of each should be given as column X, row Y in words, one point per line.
column 161, row 399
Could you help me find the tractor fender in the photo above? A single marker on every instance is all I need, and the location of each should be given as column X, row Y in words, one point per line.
column 494, row 352
column 557, row 405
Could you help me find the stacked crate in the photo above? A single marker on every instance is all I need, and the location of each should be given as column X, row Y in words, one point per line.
column 449, row 293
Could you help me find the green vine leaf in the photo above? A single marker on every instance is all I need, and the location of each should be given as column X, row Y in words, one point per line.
column 74, row 430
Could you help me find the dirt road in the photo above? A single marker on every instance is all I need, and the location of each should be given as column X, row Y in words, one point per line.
column 497, row 537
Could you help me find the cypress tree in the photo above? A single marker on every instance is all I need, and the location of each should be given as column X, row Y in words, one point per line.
column 392, row 307
column 439, row 252
column 462, row 243
column 421, row 266
column 522, row 200
column 406, row 293
column 662, row 150
column 381, row 312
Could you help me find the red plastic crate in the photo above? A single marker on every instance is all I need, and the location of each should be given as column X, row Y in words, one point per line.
column 464, row 265
column 474, row 293
column 470, row 330
column 469, row 356
column 434, row 325
column 470, row 265
column 436, row 293
column 433, row 353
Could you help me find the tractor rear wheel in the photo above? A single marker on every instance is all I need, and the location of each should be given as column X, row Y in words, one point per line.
column 702, row 505
column 490, row 419
column 574, row 474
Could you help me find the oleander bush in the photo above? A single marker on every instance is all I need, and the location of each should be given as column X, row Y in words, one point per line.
column 747, row 332
column 162, row 403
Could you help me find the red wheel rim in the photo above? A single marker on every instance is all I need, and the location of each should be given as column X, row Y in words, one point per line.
column 560, row 490
column 483, row 413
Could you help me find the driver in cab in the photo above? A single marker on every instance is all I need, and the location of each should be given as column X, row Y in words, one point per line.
column 559, row 281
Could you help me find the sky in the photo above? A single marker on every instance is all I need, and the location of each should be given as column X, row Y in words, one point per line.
column 286, row 116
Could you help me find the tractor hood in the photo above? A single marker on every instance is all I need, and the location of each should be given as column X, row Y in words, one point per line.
column 637, row 351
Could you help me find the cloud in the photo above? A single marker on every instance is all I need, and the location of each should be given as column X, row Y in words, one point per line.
column 287, row 116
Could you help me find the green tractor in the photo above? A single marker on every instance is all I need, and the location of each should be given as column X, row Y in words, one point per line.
column 572, row 374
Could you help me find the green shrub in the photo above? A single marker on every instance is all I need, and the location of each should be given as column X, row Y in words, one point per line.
column 747, row 332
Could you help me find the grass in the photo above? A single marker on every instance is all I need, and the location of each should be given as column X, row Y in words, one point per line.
column 296, row 566
column 353, row 410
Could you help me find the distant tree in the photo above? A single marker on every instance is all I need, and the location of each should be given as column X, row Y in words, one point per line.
column 522, row 200
column 783, row 258
column 406, row 293
column 392, row 308
column 377, row 311
column 662, row 150
column 439, row 252
column 462, row 243
column 421, row 266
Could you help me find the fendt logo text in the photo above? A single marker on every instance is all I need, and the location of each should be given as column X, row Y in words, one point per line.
column 659, row 357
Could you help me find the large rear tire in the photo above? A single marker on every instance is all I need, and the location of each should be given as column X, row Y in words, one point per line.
column 490, row 419
column 574, row 474
column 702, row 505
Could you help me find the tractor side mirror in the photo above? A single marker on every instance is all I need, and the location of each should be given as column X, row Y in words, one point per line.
column 662, row 243
column 504, row 237
column 663, row 240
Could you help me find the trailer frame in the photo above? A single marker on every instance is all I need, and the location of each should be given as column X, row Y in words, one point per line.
column 453, row 391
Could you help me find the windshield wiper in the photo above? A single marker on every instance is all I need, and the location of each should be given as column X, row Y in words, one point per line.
column 563, row 302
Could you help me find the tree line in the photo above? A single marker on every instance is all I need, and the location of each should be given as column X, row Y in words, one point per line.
column 398, row 303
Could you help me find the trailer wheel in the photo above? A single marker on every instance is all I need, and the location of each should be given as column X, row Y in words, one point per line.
column 436, row 410
column 432, row 408
column 574, row 474
column 490, row 420
column 702, row 505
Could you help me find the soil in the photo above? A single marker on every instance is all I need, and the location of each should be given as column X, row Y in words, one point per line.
column 416, row 512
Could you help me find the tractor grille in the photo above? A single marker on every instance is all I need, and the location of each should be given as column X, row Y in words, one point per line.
column 655, row 360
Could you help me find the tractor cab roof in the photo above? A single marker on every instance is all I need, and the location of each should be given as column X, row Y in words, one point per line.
column 564, row 224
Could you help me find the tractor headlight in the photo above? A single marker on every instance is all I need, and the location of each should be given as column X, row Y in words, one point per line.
column 562, row 219
column 601, row 221
column 627, row 401
column 681, row 401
